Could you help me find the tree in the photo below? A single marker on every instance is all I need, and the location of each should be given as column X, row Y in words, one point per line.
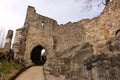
column 96, row 2
column 88, row 4
column 2, row 36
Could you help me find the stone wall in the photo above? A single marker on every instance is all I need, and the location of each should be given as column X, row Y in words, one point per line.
column 67, row 46
column 104, row 27
column 19, row 44
column 103, row 67
column 80, row 62
column 40, row 30
column 8, row 39
column 68, row 35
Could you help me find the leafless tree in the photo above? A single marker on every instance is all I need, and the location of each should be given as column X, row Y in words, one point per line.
column 2, row 36
column 95, row 2
column 88, row 4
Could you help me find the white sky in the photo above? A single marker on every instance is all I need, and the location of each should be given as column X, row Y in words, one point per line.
column 13, row 12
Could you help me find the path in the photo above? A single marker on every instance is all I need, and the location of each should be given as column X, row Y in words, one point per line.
column 33, row 73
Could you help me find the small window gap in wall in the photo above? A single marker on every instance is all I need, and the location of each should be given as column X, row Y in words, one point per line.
column 43, row 23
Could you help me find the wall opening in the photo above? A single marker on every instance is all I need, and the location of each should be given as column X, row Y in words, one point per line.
column 117, row 32
column 38, row 55
column 43, row 23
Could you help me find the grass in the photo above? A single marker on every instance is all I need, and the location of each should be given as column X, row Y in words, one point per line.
column 8, row 69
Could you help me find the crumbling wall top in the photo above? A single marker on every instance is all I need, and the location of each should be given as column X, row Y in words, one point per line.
column 31, row 8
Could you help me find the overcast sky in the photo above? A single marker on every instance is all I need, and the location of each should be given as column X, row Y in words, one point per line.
column 13, row 12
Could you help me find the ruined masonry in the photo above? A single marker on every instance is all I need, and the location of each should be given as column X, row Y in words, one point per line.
column 83, row 50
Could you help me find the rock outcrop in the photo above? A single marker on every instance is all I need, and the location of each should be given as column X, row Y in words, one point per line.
column 75, row 51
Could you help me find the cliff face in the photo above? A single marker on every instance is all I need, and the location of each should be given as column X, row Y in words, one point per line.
column 70, row 46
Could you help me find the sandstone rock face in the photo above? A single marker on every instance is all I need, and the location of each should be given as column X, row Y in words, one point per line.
column 73, row 49
column 103, row 67
column 106, row 65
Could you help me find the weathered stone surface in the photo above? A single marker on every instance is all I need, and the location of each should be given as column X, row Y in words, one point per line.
column 8, row 39
column 69, row 63
column 6, row 52
column 2, row 52
column 114, row 45
column 107, row 66
column 67, row 46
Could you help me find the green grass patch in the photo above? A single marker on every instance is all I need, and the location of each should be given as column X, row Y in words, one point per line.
column 8, row 68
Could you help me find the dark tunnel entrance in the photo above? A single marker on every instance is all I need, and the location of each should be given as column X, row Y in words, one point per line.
column 38, row 55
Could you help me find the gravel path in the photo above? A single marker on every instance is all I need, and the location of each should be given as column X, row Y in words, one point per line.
column 33, row 73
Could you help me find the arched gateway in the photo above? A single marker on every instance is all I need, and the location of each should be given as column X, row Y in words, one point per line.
column 37, row 56
column 35, row 36
column 64, row 43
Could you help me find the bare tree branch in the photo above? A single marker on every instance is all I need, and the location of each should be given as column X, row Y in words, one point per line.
column 2, row 36
column 89, row 4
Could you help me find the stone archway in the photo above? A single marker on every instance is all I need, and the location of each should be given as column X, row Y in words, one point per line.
column 37, row 57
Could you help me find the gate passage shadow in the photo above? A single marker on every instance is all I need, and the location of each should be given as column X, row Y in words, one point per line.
column 38, row 55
